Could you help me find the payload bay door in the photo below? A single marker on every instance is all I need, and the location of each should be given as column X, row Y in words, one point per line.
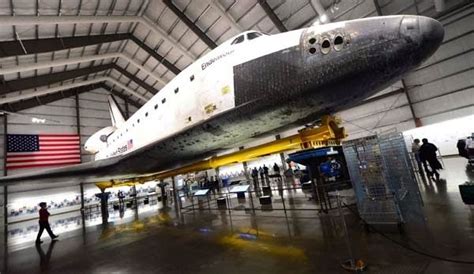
column 217, row 94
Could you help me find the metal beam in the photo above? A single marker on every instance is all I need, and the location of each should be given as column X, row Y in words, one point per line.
column 127, row 111
column 380, row 97
column 158, row 57
column 48, row 79
column 28, row 20
column 320, row 10
column 45, row 91
column 83, row 59
column 78, row 120
column 378, row 8
column 410, row 104
column 135, row 79
column 48, row 98
column 121, row 96
column 5, row 133
column 35, row 46
column 222, row 12
column 272, row 15
column 52, row 97
column 190, row 24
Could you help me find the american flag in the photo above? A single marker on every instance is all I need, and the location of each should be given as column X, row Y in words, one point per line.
column 29, row 151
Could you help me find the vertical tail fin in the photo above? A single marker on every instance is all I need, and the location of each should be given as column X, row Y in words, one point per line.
column 116, row 114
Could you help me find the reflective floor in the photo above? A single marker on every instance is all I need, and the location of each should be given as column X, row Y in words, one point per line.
column 243, row 241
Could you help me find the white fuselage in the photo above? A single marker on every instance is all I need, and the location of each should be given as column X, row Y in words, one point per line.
column 201, row 91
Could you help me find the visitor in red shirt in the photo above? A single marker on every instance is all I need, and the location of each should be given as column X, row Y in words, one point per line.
column 44, row 223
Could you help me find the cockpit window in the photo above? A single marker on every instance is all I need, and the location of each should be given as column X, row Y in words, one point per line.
column 237, row 40
column 253, row 35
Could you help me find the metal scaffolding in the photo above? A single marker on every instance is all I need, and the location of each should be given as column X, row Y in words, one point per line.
column 383, row 179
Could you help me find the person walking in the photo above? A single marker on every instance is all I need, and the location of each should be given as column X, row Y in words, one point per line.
column 265, row 172
column 44, row 223
column 121, row 196
column 428, row 154
column 255, row 178
column 276, row 169
column 415, row 149
column 262, row 176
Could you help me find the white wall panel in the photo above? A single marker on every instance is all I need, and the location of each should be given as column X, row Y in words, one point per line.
column 398, row 127
column 457, row 113
column 446, row 68
column 378, row 120
column 458, row 26
column 391, row 88
column 447, row 85
column 442, row 88
column 461, row 44
column 94, row 115
column 445, row 103
column 384, row 104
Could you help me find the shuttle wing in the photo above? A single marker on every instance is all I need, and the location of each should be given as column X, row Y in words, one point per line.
column 150, row 159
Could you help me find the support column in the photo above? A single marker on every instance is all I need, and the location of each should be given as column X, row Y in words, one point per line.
column 4, row 218
column 83, row 213
column 164, row 198
column 246, row 168
column 218, row 178
column 82, row 196
column 104, row 206
column 5, row 173
column 282, row 155
column 135, row 201
column 177, row 200
column 410, row 104
column 78, row 121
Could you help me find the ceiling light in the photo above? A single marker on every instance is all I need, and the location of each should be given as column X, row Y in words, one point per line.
column 38, row 120
column 323, row 18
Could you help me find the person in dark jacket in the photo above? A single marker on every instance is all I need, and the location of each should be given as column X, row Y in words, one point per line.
column 461, row 145
column 265, row 172
column 428, row 155
column 276, row 169
column 44, row 223
column 262, row 176
column 255, row 178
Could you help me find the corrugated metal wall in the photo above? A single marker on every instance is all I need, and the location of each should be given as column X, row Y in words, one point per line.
column 61, row 118
column 443, row 87
column 440, row 89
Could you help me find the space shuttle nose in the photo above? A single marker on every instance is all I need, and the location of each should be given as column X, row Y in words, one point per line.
column 432, row 31
column 426, row 32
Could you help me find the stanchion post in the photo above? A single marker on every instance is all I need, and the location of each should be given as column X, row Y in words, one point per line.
column 251, row 200
column 346, row 233
column 177, row 200
column 81, row 186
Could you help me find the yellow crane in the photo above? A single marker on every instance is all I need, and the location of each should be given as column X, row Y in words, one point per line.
column 328, row 133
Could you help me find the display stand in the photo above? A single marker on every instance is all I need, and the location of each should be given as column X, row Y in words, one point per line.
column 203, row 193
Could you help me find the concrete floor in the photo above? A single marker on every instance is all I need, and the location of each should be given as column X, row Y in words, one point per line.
column 301, row 241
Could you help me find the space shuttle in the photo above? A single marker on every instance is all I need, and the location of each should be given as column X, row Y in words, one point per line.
column 251, row 85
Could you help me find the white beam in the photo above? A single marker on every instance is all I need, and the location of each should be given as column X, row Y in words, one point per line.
column 46, row 91
column 223, row 13
column 318, row 7
column 83, row 59
column 25, row 20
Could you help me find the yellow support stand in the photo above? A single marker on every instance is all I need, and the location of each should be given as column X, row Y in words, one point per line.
column 328, row 133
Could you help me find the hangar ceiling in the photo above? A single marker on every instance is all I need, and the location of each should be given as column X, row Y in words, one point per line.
column 52, row 49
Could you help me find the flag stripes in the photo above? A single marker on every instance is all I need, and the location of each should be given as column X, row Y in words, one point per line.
column 43, row 150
